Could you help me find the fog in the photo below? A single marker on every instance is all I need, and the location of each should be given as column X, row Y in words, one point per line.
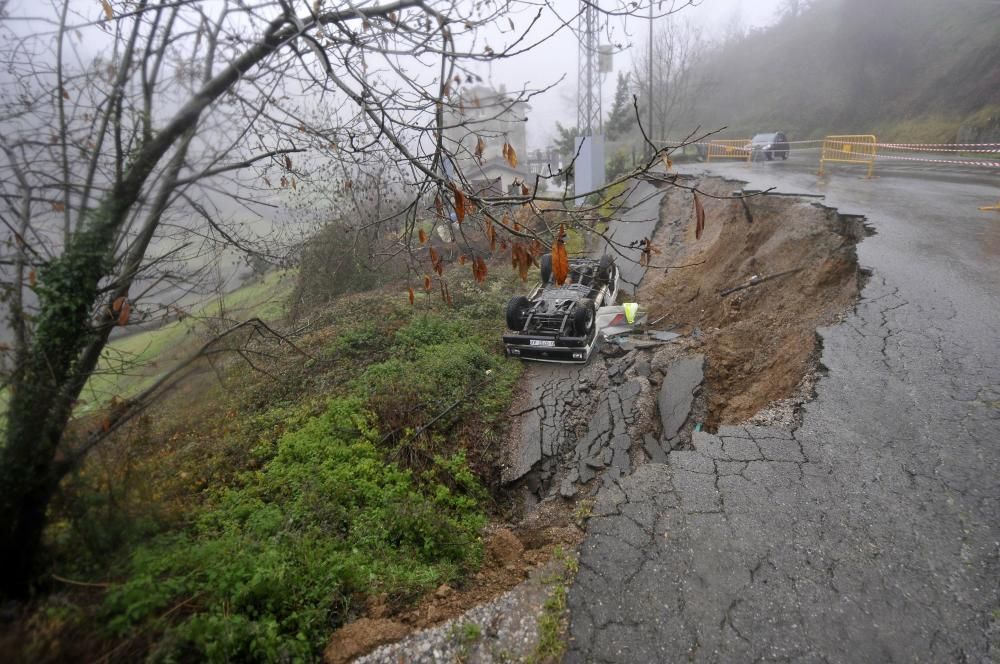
column 555, row 62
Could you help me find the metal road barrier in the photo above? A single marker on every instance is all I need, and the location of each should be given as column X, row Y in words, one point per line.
column 737, row 148
column 849, row 149
column 864, row 149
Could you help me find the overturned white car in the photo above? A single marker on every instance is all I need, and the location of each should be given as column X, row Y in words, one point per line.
column 556, row 323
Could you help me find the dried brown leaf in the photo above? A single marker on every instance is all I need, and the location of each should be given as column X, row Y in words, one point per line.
column 699, row 213
column 510, row 155
column 560, row 261
column 459, row 204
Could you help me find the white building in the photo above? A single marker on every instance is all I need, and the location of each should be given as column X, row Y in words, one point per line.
column 496, row 118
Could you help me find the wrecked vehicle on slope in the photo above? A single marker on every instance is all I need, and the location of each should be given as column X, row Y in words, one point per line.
column 556, row 323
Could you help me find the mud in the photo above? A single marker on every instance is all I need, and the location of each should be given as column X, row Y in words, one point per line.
column 760, row 342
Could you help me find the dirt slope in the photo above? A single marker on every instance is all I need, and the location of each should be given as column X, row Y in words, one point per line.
column 761, row 340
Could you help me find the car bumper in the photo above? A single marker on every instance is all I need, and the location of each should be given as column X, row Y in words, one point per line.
column 565, row 349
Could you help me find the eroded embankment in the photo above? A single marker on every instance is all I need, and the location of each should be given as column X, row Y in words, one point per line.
column 751, row 353
column 767, row 272
column 798, row 262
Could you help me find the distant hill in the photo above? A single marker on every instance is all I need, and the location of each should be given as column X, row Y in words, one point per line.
column 917, row 70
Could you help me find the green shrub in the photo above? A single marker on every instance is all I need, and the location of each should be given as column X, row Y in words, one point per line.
column 272, row 567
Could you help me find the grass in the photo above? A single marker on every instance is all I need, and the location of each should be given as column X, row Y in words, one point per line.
column 132, row 363
column 248, row 519
column 465, row 635
column 923, row 129
column 552, row 623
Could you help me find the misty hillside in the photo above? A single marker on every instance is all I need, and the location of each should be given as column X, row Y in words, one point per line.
column 904, row 69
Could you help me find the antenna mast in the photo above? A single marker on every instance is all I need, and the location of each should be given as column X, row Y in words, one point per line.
column 588, row 114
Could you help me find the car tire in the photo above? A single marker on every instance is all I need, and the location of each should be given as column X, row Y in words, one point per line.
column 546, row 267
column 604, row 268
column 517, row 312
column 584, row 315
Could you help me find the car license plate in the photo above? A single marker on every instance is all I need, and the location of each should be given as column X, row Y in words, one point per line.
column 542, row 342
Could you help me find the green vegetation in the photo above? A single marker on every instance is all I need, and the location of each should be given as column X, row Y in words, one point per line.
column 466, row 635
column 359, row 472
column 132, row 363
column 906, row 70
column 274, row 563
column 552, row 623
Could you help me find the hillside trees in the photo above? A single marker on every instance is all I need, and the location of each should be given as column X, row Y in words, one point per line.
column 621, row 120
column 677, row 48
column 137, row 137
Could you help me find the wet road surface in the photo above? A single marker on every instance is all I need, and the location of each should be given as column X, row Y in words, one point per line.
column 871, row 532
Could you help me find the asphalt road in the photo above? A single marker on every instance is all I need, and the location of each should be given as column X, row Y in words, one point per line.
column 637, row 217
column 872, row 532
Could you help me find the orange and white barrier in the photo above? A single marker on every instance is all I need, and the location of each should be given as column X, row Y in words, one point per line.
column 729, row 149
column 849, row 149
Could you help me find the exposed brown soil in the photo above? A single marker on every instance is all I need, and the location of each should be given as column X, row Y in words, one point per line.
column 510, row 557
column 760, row 341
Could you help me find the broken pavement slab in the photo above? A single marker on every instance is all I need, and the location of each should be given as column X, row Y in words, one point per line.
column 683, row 377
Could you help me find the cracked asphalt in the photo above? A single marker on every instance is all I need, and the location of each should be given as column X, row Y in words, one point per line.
column 871, row 533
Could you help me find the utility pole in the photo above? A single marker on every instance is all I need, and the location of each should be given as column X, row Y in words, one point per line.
column 589, row 168
column 588, row 113
column 650, row 79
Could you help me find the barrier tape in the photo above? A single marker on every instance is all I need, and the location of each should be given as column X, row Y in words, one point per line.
column 987, row 164
column 976, row 148
column 940, row 145
column 927, row 147
column 888, row 146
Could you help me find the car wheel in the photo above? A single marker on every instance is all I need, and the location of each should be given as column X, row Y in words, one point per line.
column 583, row 317
column 546, row 267
column 517, row 312
column 604, row 268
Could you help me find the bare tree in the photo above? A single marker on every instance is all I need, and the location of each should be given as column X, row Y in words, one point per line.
column 138, row 136
column 677, row 47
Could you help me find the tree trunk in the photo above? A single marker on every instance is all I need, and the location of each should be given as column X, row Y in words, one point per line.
column 27, row 483
column 42, row 393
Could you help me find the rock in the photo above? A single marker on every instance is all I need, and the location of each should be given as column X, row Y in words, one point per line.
column 443, row 591
column 594, row 462
column 567, row 489
column 504, row 547
column 606, row 456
